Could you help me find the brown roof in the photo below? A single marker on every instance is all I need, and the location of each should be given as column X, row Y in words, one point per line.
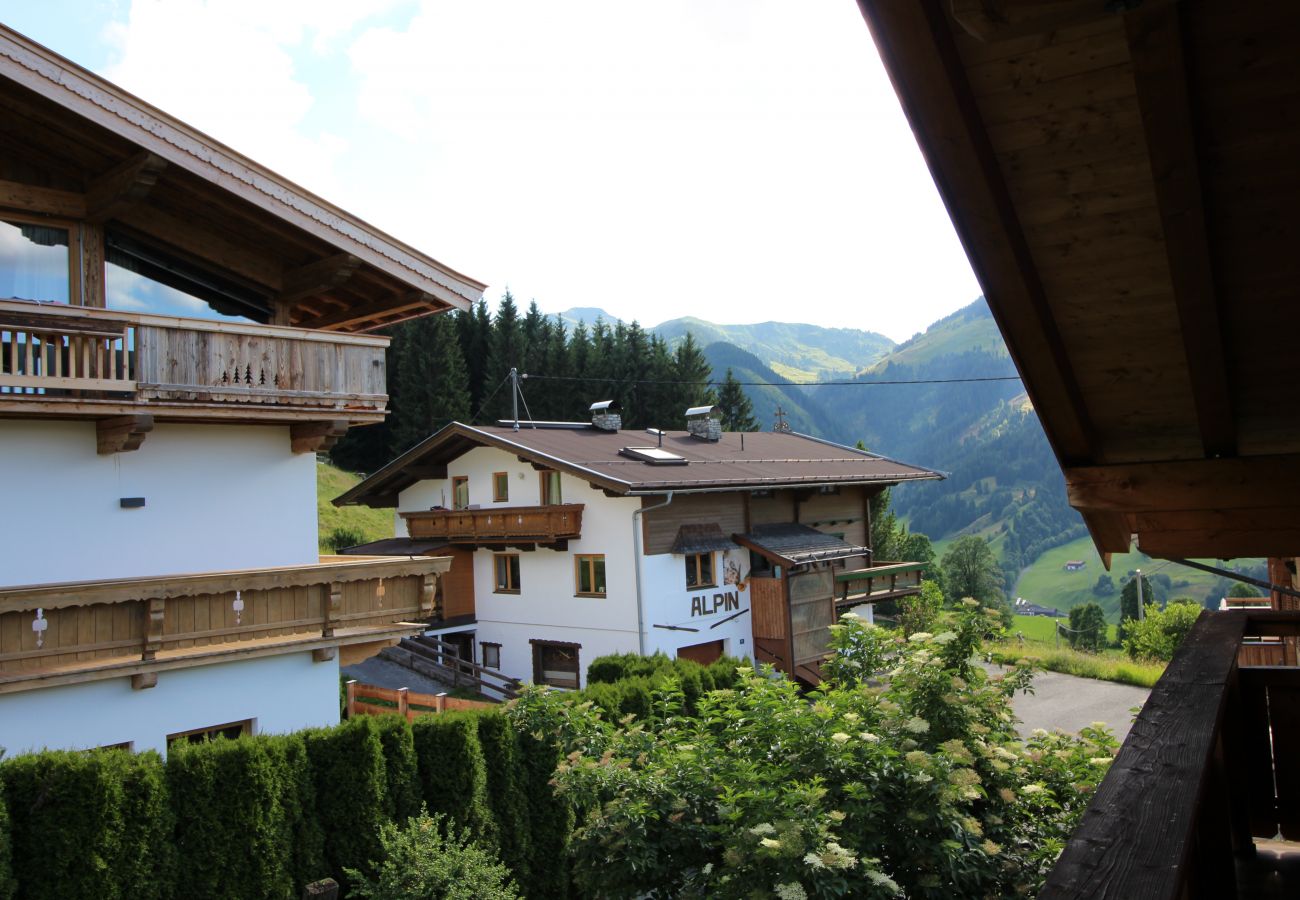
column 793, row 544
column 1123, row 177
column 82, row 135
column 766, row 459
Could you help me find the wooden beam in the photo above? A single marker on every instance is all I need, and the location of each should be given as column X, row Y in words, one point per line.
column 915, row 42
column 45, row 201
column 1160, row 74
column 1000, row 20
column 317, row 277
column 1110, row 532
column 315, row 437
column 93, row 291
column 1219, row 533
column 341, row 319
column 1257, row 482
column 123, row 187
column 121, row 434
column 205, row 245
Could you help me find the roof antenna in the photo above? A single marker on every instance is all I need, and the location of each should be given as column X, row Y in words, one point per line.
column 514, row 395
column 781, row 423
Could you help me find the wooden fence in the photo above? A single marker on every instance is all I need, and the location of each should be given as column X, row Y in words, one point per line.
column 497, row 525
column 403, row 702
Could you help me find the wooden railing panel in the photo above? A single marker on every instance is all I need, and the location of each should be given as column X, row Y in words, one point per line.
column 498, row 524
column 767, row 607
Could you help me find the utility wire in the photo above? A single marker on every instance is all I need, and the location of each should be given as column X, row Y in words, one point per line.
column 779, row 383
column 488, row 398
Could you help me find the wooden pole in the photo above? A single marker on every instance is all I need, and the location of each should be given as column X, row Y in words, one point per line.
column 403, row 703
column 352, row 696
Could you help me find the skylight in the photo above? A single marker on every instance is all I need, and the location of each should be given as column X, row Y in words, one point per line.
column 655, row 456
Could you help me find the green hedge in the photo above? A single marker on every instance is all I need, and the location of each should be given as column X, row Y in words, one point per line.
column 506, row 790
column 400, row 767
column 89, row 824
column 7, row 885
column 351, row 783
column 550, row 822
column 453, row 772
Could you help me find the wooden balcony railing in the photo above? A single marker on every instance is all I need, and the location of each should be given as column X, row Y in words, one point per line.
column 106, row 360
column 78, row 631
column 883, row 581
column 1211, row 764
column 498, row 525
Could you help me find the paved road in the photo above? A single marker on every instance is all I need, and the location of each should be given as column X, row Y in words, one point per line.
column 1070, row 703
column 382, row 673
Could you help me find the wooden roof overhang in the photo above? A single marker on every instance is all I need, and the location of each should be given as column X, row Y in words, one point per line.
column 77, row 147
column 1123, row 178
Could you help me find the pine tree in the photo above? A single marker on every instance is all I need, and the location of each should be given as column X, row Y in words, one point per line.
column 694, row 371
column 737, row 411
column 431, row 381
column 505, row 351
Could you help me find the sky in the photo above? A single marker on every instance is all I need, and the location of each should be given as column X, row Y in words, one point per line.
column 736, row 160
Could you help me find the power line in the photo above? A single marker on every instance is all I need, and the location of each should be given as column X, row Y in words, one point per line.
column 780, row 383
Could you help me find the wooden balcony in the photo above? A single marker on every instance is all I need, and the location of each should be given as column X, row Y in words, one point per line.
column 79, row 362
column 883, row 581
column 84, row 631
column 498, row 525
column 1204, row 797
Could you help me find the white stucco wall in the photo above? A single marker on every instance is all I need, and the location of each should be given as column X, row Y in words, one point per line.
column 216, row 497
column 280, row 693
column 669, row 602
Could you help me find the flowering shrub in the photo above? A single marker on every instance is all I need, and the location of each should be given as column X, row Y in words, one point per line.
column 902, row 775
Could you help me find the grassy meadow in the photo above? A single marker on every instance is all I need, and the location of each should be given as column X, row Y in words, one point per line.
column 1039, row 645
column 374, row 524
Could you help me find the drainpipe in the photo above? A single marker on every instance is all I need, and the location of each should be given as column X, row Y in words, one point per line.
column 636, row 559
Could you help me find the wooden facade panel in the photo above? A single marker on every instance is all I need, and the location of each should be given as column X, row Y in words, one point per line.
column 767, row 607
column 660, row 526
column 457, row 584
column 780, row 507
column 1036, row 68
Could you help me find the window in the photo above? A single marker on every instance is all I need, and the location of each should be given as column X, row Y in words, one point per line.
column 550, row 487
column 500, row 487
column 590, row 575
column 142, row 277
column 506, row 566
column 491, row 655
column 556, row 663
column 460, row 492
column 35, row 263
column 212, row 732
column 699, row 570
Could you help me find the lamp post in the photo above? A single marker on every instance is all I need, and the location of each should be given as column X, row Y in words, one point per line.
column 1141, row 605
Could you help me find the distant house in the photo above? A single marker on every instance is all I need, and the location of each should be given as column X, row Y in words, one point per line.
column 180, row 334
column 574, row 540
column 1074, row 565
column 1023, row 607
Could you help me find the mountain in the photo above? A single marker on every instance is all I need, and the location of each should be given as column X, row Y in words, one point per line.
column 803, row 413
column 587, row 314
column 793, row 351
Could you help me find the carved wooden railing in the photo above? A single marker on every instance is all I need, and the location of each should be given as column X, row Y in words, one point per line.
column 882, row 581
column 55, row 351
column 543, row 524
column 60, row 629
column 1211, row 763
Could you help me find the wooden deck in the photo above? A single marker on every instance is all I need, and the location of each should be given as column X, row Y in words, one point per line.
column 498, row 524
column 886, row 580
column 83, row 631
column 1208, row 772
column 80, row 362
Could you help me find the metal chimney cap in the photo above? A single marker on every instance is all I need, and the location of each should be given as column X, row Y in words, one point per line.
column 702, row 411
column 605, row 406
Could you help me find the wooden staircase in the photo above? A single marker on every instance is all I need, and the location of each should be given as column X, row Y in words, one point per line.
column 438, row 659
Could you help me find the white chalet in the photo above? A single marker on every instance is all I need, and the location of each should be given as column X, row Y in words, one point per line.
column 179, row 334
column 573, row 540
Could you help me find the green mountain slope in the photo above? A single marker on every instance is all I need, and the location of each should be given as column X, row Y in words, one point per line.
column 803, row 413
column 970, row 328
column 795, row 352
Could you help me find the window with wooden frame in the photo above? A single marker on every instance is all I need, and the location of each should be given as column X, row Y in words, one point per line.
column 699, row 570
column 556, row 663
column 491, row 655
column 460, row 492
column 589, row 575
column 212, row 732
column 36, row 259
column 550, row 493
column 506, row 568
column 500, row 487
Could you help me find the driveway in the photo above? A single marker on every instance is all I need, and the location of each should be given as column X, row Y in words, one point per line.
column 1070, row 703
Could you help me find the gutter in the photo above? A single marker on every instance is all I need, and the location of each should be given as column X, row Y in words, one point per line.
column 636, row 564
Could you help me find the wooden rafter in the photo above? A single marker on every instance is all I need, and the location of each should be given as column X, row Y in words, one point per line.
column 204, row 244
column 915, row 38
column 123, row 186
column 1259, row 482
column 344, row 319
column 317, row 277
column 316, row 437
column 1160, row 74
column 48, row 201
column 121, row 434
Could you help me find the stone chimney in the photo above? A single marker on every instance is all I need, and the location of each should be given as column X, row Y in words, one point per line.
column 704, row 422
column 605, row 415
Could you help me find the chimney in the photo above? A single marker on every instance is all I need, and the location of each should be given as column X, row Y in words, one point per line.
column 704, row 423
column 605, row 415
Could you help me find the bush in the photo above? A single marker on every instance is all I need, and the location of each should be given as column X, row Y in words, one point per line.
column 1087, row 627
column 1158, row 634
column 607, row 669
column 425, row 860
column 230, row 820
column 351, row 792
column 86, row 825
column 297, row 791
column 918, row 612
column 401, row 770
column 7, row 885
column 551, row 815
column 506, row 790
column 453, row 773
column 344, row 536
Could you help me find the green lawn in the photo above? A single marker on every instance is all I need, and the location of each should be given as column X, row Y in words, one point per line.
column 374, row 524
column 1039, row 645
column 1048, row 584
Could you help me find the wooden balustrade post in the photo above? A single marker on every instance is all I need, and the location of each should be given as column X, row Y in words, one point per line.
column 153, row 626
column 352, row 697
column 404, row 703
column 440, row 702
column 331, row 605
